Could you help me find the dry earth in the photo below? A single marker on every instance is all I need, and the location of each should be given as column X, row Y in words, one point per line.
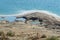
column 27, row 31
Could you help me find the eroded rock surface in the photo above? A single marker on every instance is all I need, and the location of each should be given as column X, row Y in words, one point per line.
column 43, row 18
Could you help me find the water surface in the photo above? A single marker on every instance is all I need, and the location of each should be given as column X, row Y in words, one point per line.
column 8, row 7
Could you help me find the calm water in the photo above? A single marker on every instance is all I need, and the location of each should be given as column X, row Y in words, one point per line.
column 13, row 6
column 8, row 7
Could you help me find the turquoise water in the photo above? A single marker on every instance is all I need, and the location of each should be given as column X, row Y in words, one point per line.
column 8, row 7
column 13, row 6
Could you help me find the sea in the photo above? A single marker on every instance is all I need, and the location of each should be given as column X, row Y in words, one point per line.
column 12, row 7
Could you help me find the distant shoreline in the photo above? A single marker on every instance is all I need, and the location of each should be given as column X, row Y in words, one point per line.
column 31, row 11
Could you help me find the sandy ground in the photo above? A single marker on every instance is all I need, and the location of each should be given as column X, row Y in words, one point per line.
column 25, row 31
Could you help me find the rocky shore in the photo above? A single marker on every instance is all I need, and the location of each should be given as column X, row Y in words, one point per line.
column 36, row 26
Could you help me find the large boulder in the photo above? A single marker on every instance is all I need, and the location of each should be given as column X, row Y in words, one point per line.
column 43, row 16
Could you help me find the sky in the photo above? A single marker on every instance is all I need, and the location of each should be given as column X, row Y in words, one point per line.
column 9, row 7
